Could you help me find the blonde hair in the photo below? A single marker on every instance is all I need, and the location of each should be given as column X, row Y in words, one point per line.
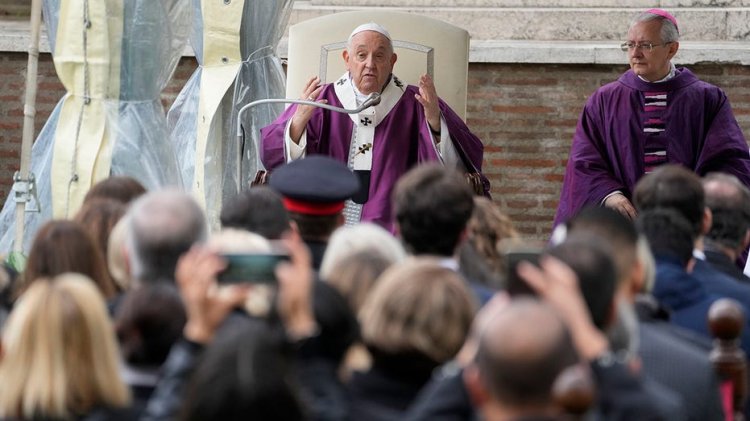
column 418, row 306
column 60, row 355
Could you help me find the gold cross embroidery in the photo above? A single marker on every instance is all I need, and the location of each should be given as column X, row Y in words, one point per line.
column 363, row 149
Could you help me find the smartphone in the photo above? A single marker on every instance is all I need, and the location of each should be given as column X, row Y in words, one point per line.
column 514, row 284
column 258, row 268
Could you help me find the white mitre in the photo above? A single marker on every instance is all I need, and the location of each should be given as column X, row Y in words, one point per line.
column 372, row 26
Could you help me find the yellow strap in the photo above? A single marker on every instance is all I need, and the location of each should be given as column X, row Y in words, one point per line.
column 221, row 62
column 82, row 149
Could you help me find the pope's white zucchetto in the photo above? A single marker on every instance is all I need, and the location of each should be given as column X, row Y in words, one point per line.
column 372, row 26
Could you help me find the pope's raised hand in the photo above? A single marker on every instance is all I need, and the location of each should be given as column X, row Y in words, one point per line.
column 303, row 112
column 428, row 97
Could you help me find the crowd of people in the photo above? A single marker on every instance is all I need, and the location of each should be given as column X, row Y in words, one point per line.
column 123, row 312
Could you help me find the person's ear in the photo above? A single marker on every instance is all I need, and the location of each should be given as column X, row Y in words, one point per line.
column 708, row 220
column 394, row 57
column 673, row 47
column 345, row 55
column 477, row 392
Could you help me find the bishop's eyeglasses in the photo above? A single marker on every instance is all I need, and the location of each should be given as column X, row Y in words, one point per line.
column 643, row 46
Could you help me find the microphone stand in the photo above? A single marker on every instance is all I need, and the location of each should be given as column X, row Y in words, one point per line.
column 372, row 100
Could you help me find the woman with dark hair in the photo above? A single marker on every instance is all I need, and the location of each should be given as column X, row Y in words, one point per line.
column 99, row 217
column 62, row 246
column 245, row 373
column 149, row 320
column 120, row 188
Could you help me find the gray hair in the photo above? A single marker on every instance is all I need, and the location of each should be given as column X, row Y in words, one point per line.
column 669, row 32
column 162, row 225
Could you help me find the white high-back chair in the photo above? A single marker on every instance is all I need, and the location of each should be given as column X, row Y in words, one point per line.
column 424, row 45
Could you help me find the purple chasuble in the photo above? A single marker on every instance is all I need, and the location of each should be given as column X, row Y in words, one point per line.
column 401, row 140
column 629, row 127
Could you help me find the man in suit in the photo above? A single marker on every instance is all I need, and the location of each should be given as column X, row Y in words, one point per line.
column 662, row 350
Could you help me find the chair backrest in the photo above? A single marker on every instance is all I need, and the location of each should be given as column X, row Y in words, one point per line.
column 423, row 45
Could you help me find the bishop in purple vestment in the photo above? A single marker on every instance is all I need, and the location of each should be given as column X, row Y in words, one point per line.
column 653, row 114
column 410, row 125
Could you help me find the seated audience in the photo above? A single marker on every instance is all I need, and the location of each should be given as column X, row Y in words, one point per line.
column 60, row 356
column 663, row 348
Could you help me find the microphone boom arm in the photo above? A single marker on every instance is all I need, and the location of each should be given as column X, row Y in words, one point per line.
column 371, row 100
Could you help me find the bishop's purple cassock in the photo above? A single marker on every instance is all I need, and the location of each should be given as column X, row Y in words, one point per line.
column 630, row 126
column 401, row 140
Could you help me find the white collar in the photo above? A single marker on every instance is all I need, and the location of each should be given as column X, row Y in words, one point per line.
column 672, row 73
column 347, row 93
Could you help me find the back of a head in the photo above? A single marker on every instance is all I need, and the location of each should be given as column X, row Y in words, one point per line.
column 259, row 210
column 162, row 226
column 611, row 227
column 432, row 205
column 418, row 307
column 487, row 227
column 668, row 233
column 591, row 260
column 673, row 187
column 355, row 276
column 148, row 322
column 59, row 352
column 729, row 201
column 120, row 188
column 363, row 237
column 522, row 352
column 99, row 217
column 245, row 373
column 62, row 246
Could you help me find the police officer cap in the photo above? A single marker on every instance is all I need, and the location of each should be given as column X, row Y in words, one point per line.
column 315, row 185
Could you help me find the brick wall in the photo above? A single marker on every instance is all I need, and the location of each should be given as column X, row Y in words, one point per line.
column 525, row 114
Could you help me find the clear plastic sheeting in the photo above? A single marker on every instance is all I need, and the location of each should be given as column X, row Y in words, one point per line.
column 154, row 38
column 131, row 51
column 225, row 164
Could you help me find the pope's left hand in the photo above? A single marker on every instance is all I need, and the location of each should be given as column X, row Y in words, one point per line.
column 428, row 97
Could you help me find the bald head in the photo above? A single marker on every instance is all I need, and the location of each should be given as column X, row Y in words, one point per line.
column 522, row 352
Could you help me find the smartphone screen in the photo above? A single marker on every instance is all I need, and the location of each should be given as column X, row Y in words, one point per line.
column 514, row 284
column 252, row 268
